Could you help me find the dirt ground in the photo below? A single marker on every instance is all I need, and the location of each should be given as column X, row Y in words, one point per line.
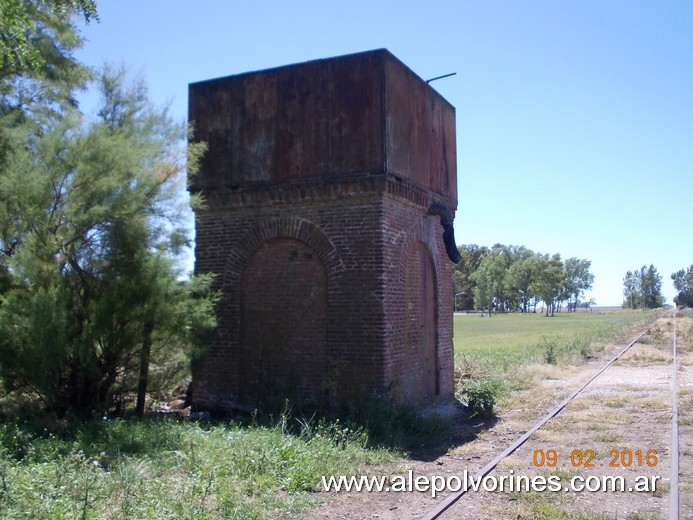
column 619, row 426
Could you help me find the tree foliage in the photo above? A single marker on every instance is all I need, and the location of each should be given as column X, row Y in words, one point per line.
column 91, row 293
column 36, row 32
column 642, row 288
column 506, row 278
column 550, row 280
column 521, row 274
column 463, row 271
column 578, row 278
column 489, row 278
column 683, row 283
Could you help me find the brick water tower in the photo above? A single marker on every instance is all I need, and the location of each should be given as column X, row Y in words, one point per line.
column 329, row 187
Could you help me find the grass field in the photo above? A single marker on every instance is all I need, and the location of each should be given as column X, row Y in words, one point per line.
column 523, row 338
column 494, row 355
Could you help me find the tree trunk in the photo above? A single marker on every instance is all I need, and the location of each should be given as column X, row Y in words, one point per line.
column 144, row 367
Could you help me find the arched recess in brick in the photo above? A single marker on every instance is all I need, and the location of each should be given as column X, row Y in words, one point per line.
column 283, row 344
column 298, row 228
column 279, row 287
column 419, row 271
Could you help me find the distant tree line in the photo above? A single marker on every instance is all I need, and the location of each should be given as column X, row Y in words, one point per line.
column 513, row 278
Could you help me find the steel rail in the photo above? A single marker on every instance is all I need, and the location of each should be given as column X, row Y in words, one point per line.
column 454, row 497
column 674, row 479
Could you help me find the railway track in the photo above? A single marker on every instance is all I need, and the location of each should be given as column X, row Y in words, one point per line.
column 445, row 508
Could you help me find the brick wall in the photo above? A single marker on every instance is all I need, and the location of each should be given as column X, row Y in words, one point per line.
column 331, row 293
column 283, row 341
column 419, row 349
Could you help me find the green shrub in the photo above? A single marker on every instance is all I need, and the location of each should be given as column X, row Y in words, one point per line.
column 482, row 396
column 550, row 351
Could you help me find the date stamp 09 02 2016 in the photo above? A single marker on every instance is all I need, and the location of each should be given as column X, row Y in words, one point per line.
column 587, row 458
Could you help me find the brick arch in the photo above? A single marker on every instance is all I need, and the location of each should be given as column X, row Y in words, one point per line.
column 419, row 275
column 283, row 227
column 284, row 324
column 268, row 233
column 415, row 234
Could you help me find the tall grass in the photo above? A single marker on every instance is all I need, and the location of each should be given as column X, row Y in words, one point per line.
column 163, row 468
column 256, row 467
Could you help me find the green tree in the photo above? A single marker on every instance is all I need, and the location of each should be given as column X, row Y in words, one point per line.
column 578, row 278
column 631, row 290
column 521, row 273
column 37, row 32
column 549, row 281
column 462, row 272
column 642, row 288
column 500, row 259
column 38, row 72
column 483, row 290
column 490, row 289
column 90, row 230
column 510, row 277
column 683, row 283
column 651, row 287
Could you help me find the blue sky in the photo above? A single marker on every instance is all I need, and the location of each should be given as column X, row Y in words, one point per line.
column 574, row 118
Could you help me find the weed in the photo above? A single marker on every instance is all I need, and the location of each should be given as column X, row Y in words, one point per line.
column 482, row 396
column 550, row 351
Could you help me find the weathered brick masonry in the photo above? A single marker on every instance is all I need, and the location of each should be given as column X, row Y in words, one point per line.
column 336, row 285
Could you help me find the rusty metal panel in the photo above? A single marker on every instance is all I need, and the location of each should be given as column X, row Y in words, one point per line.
column 448, row 171
column 442, row 150
column 203, row 103
column 302, row 142
column 420, row 140
column 356, row 114
column 436, row 160
column 407, row 124
column 257, row 142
